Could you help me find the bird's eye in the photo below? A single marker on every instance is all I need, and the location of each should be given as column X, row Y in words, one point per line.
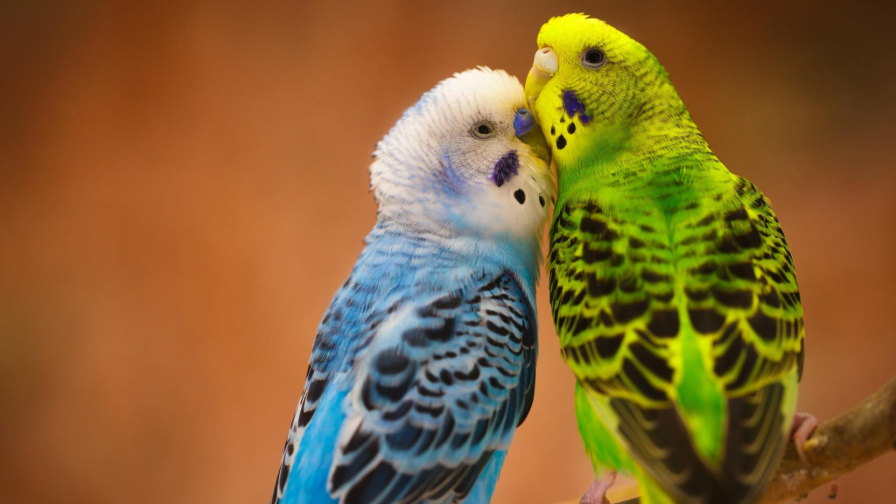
column 482, row 130
column 594, row 58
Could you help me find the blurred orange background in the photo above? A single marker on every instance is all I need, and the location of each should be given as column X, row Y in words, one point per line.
column 183, row 188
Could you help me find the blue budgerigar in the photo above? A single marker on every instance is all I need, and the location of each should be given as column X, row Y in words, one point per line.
column 424, row 363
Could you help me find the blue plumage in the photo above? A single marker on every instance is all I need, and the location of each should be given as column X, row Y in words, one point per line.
column 418, row 374
column 312, row 469
column 424, row 363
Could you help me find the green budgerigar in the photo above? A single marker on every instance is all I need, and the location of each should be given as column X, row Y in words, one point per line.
column 672, row 288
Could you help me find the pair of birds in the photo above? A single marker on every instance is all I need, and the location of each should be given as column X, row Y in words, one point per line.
column 672, row 291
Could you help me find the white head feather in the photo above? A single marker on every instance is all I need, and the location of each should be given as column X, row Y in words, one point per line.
column 434, row 173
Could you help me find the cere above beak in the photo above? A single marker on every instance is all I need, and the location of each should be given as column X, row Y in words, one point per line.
column 544, row 66
column 525, row 128
column 546, row 60
column 523, row 122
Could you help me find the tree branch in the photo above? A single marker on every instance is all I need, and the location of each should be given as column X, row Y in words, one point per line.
column 837, row 446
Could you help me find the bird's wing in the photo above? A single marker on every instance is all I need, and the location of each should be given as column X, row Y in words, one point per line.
column 629, row 302
column 328, row 357
column 442, row 384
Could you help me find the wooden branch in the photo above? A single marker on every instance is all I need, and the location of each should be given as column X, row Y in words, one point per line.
column 837, row 446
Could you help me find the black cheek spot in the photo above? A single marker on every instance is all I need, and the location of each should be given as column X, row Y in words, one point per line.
column 571, row 128
column 561, row 142
column 541, row 200
column 520, row 196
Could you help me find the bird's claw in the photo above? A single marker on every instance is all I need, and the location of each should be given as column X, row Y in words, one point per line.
column 835, row 489
column 804, row 425
column 597, row 492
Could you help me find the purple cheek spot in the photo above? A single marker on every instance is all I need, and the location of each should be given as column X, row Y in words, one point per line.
column 506, row 168
column 573, row 106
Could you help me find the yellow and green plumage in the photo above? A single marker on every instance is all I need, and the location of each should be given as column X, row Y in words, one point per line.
column 672, row 287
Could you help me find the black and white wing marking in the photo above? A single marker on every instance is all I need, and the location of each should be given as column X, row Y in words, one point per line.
column 443, row 384
column 323, row 366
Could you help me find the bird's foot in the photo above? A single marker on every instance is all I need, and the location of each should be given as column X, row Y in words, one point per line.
column 835, row 488
column 803, row 426
column 597, row 492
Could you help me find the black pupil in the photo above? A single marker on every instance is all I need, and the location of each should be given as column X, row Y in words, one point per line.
column 483, row 129
column 594, row 56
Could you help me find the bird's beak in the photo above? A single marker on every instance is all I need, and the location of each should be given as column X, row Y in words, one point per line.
column 544, row 67
column 524, row 126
